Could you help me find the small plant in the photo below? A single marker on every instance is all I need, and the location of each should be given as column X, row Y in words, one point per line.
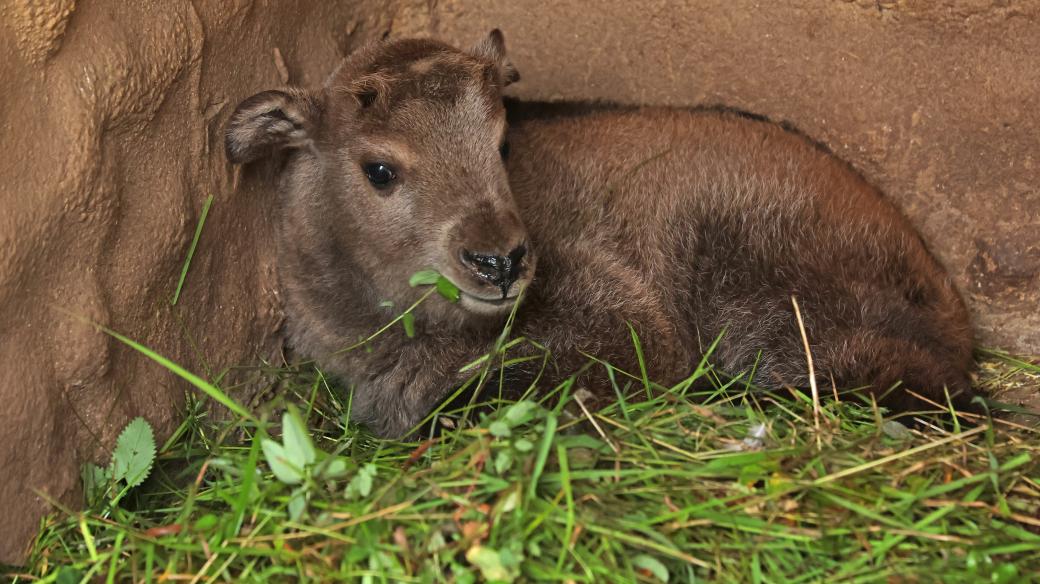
column 131, row 463
column 444, row 286
column 297, row 463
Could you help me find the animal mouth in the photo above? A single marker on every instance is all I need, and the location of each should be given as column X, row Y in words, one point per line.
column 482, row 305
column 503, row 301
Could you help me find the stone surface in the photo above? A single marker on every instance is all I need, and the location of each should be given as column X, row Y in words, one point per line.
column 110, row 135
column 110, row 118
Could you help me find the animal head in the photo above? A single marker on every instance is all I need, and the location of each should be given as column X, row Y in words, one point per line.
column 395, row 166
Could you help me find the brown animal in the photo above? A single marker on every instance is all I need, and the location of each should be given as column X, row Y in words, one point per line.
column 685, row 223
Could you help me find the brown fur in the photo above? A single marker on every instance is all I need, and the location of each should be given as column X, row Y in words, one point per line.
column 685, row 224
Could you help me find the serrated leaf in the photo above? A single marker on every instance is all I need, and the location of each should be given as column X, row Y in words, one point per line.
column 299, row 449
column 424, row 278
column 134, row 454
column 447, row 289
column 652, row 565
column 276, row 458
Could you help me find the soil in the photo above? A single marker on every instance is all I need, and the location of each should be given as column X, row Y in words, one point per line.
column 111, row 143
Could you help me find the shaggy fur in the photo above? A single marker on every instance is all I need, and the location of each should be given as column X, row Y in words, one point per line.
column 687, row 224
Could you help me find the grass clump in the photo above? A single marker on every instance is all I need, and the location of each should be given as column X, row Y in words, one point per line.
column 668, row 484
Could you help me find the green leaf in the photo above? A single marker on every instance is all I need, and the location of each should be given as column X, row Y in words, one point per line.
column 95, row 482
column 424, row 278
column 492, row 564
column 523, row 445
column 1005, row 574
column 462, row 575
column 543, row 454
column 895, row 430
column 751, row 474
column 361, row 484
column 520, row 413
column 728, row 462
column 447, row 289
column 247, row 492
column 408, row 321
column 278, row 460
column 299, row 450
column 68, row 575
column 206, row 522
column 652, row 565
column 583, row 441
column 335, row 468
column 435, row 542
column 503, row 460
column 297, row 504
column 499, row 429
column 134, row 454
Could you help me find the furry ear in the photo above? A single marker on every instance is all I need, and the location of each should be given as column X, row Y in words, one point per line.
column 493, row 49
column 270, row 121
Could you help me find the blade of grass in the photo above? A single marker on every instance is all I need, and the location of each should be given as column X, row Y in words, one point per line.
column 906, row 453
column 191, row 250
column 568, row 531
column 201, row 384
column 638, row 345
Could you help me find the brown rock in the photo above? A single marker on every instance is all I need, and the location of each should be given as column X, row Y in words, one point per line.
column 111, row 142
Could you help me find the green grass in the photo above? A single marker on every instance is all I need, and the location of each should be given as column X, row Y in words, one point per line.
column 191, row 250
column 667, row 484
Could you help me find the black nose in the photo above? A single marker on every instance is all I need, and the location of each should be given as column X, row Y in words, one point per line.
column 502, row 271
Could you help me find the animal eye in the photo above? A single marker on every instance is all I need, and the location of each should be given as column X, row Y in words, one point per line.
column 379, row 174
column 504, row 150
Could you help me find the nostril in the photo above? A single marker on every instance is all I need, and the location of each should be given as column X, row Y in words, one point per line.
column 499, row 271
column 518, row 254
column 490, row 266
column 516, row 258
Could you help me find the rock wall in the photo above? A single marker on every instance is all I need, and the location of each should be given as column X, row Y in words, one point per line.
column 110, row 143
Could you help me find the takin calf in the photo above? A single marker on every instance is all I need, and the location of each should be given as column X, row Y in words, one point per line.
column 686, row 224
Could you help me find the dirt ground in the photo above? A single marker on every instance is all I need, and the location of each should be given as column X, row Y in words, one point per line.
column 110, row 143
